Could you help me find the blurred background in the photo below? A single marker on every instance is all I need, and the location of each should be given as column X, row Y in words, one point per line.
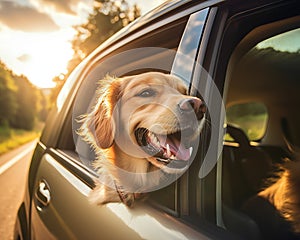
column 41, row 42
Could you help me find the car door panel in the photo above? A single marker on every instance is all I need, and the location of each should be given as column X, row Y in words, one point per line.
column 69, row 215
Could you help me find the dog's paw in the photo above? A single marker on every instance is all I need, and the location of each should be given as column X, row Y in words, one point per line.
column 126, row 197
column 102, row 194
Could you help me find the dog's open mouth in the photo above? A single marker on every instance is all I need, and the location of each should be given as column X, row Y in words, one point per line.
column 167, row 149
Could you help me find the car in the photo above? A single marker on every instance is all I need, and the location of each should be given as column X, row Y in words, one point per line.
column 242, row 58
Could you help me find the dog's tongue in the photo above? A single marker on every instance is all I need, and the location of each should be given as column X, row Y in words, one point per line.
column 177, row 149
column 183, row 153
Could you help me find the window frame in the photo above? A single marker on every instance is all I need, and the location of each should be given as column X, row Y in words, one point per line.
column 93, row 64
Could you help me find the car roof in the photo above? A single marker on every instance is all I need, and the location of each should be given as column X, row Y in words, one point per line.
column 169, row 8
column 164, row 8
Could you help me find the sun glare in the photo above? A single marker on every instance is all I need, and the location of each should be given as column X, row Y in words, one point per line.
column 41, row 56
column 38, row 56
column 46, row 55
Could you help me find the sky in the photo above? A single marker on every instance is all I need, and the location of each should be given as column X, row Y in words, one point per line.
column 288, row 41
column 35, row 35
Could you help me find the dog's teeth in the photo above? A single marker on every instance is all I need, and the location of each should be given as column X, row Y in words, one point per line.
column 168, row 150
column 163, row 160
column 191, row 150
column 151, row 137
column 154, row 139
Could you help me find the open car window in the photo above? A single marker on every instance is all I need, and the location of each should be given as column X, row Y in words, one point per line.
column 162, row 51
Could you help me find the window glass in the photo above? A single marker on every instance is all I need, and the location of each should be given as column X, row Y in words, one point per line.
column 288, row 42
column 264, row 85
column 185, row 59
column 252, row 118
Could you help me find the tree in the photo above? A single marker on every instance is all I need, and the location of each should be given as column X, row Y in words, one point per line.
column 108, row 17
column 27, row 104
column 43, row 106
column 8, row 101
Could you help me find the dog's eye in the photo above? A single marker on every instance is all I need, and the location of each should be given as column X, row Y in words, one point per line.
column 147, row 93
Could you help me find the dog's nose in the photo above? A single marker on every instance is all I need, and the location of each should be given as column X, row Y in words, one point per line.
column 192, row 105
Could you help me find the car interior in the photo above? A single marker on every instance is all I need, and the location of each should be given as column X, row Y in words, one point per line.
column 261, row 98
column 262, row 88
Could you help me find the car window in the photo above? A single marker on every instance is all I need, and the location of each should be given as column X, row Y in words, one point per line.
column 161, row 50
column 251, row 117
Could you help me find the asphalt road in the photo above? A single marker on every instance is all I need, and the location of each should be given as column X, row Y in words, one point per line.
column 14, row 167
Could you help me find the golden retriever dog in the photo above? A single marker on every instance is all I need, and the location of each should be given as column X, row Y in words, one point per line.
column 143, row 129
column 284, row 194
column 276, row 209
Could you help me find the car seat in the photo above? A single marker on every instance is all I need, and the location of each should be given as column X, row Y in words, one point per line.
column 244, row 168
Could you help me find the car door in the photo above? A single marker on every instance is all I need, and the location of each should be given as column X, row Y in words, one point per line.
column 60, row 208
column 220, row 195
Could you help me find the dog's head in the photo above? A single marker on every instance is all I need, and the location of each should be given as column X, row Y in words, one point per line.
column 146, row 117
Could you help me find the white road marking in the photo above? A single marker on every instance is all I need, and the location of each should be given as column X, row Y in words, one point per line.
column 14, row 160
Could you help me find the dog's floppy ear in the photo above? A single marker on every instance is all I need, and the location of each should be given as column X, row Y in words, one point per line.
column 99, row 126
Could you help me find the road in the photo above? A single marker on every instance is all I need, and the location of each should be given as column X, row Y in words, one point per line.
column 14, row 167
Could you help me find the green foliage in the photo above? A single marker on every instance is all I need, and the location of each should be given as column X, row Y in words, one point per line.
column 5, row 133
column 27, row 96
column 8, row 90
column 108, row 17
column 251, row 117
column 43, row 106
column 12, row 138
column 244, row 109
column 21, row 103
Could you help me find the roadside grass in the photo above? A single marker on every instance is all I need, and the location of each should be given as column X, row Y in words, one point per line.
column 11, row 138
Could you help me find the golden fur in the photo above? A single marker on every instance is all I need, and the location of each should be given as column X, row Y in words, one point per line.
column 284, row 194
column 148, row 101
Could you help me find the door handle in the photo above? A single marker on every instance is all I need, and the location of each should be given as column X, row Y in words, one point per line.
column 42, row 194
